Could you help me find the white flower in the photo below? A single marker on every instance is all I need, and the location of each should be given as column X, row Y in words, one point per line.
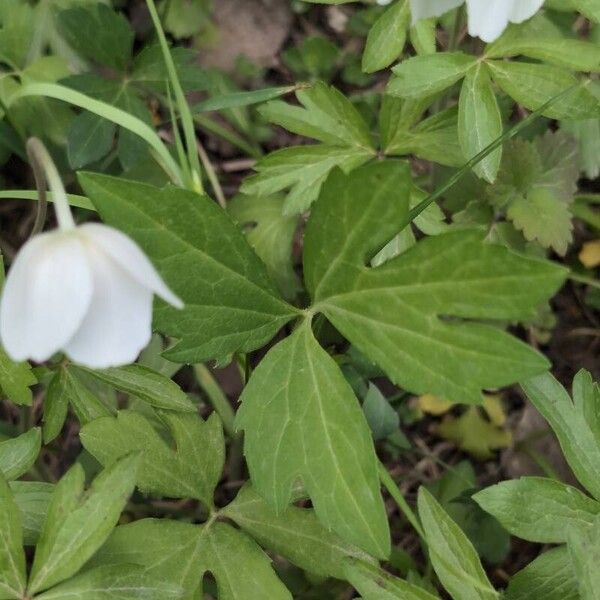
column 487, row 18
column 85, row 290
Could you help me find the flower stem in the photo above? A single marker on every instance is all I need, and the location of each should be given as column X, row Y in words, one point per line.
column 42, row 162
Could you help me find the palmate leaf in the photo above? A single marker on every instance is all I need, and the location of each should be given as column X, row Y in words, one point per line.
column 415, row 315
column 302, row 420
column 231, row 304
column 181, row 553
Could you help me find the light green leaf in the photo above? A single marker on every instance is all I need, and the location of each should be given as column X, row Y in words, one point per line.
column 453, row 557
column 118, row 582
column 240, row 99
column 144, row 383
column 191, row 470
column 89, row 139
column 77, row 525
column 271, row 235
column 397, row 314
column 12, row 557
column 16, row 380
column 532, row 85
column 381, row 416
column 56, row 406
column 375, row 584
column 16, row 32
column 302, row 420
column 327, row 115
column 569, row 420
column 550, row 576
column 304, row 169
column 194, row 244
column 590, row 8
column 32, row 498
column 18, row 454
column 294, row 533
column 537, row 509
column 480, row 121
column 182, row 553
column 584, row 550
column 429, row 74
column 386, row 38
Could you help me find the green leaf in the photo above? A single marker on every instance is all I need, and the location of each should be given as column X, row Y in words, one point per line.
column 32, row 498
column 12, row 557
column 398, row 314
column 584, row 550
column 590, row 8
column 16, row 380
column 326, row 115
column 56, row 406
column 271, row 235
column 191, row 470
column 429, row 74
column 144, row 383
column 532, row 85
column 577, row 436
column 304, row 169
column 90, row 138
column 294, row 533
column 386, row 38
column 240, row 99
column 182, row 553
column 122, row 582
column 538, row 509
column 77, row 525
column 381, row 416
column 18, row 454
column 98, row 33
column 302, row 420
column 194, row 244
column 453, row 557
column 16, row 32
column 374, row 584
column 480, row 121
column 549, row 576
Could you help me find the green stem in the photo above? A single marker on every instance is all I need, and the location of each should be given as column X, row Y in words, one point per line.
column 394, row 491
column 497, row 143
column 216, row 396
column 595, row 283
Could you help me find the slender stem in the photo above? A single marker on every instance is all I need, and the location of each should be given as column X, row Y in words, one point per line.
column 41, row 158
column 212, row 176
column 396, row 494
column 216, row 396
column 41, row 185
column 595, row 283
column 512, row 132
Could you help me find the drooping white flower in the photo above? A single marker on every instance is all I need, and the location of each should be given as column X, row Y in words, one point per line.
column 86, row 290
column 487, row 18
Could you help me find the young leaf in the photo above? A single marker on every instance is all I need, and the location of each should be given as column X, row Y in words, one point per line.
column 584, row 550
column 549, row 576
column 16, row 380
column 427, row 75
column 398, row 314
column 12, row 557
column 577, row 436
column 375, row 584
column 479, row 120
column 56, row 406
column 147, row 385
column 195, row 245
column 182, row 553
column 453, row 557
column 532, row 85
column 122, row 582
column 538, row 509
column 18, row 454
column 302, row 420
column 76, row 526
column 192, row 470
column 386, row 38
column 295, row 533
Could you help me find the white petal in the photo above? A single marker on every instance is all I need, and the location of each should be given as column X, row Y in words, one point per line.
column 423, row 9
column 488, row 18
column 524, row 9
column 130, row 256
column 46, row 296
column 118, row 324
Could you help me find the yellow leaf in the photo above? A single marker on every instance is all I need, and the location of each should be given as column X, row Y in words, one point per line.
column 432, row 405
column 494, row 409
column 590, row 255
